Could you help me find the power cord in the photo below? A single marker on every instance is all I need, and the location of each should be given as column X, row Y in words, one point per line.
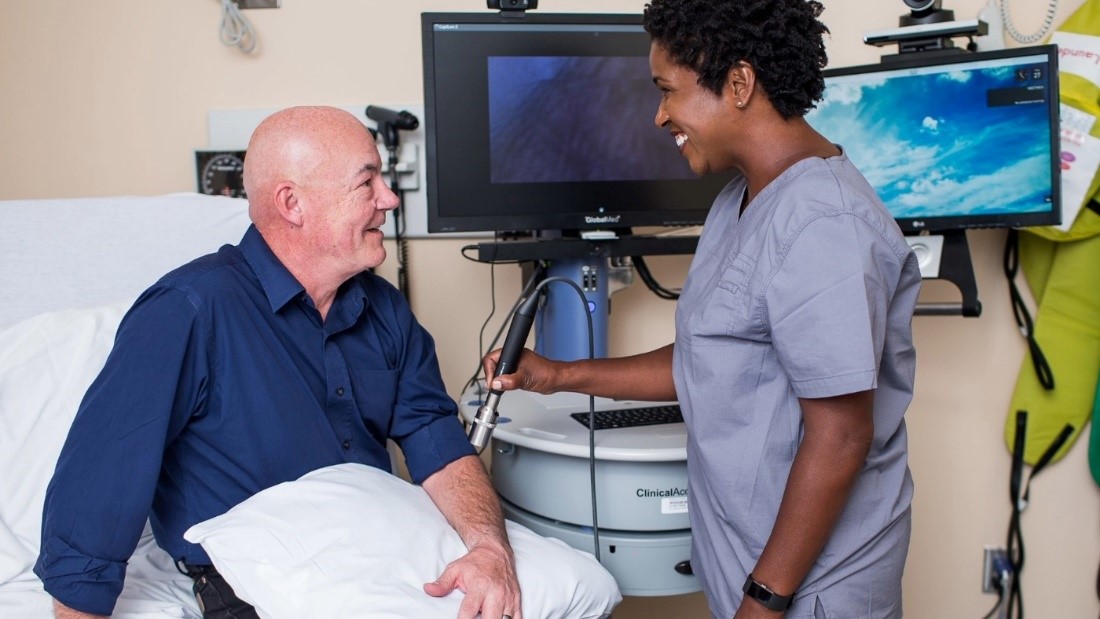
column 1002, row 573
column 1019, row 494
column 235, row 29
column 399, row 234
column 651, row 282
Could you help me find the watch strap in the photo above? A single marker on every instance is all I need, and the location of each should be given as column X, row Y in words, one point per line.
column 765, row 596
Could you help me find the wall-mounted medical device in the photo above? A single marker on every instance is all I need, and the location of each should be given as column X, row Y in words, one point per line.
column 220, row 172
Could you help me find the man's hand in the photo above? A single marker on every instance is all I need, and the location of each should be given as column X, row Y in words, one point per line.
column 487, row 573
column 487, row 576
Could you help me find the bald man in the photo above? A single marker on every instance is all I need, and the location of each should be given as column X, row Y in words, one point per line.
column 257, row 364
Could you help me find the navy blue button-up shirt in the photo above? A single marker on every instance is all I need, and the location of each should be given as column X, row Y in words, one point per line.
column 224, row 381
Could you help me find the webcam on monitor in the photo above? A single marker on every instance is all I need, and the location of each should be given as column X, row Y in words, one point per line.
column 925, row 12
column 513, row 5
column 928, row 27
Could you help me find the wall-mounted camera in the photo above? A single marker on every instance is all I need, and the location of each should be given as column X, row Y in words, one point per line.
column 925, row 12
column 517, row 6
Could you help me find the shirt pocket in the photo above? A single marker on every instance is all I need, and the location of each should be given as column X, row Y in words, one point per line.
column 725, row 309
column 376, row 398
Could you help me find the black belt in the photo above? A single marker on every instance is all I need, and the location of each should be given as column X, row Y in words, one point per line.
column 215, row 597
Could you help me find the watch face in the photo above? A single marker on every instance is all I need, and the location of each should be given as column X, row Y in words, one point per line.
column 221, row 173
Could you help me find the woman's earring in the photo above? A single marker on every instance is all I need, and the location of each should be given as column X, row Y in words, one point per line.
column 740, row 104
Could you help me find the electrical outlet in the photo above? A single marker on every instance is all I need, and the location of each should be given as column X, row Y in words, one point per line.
column 258, row 4
column 992, row 569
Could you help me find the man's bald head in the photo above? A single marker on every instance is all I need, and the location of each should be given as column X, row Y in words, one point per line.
column 295, row 145
column 317, row 196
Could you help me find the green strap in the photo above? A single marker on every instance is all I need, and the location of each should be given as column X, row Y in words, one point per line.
column 1067, row 329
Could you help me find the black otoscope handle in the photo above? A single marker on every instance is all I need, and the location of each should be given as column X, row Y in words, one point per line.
column 485, row 420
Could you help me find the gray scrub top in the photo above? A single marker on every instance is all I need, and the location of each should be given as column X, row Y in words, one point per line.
column 809, row 294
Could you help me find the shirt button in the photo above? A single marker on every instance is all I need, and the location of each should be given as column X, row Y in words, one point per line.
column 347, row 444
column 339, row 391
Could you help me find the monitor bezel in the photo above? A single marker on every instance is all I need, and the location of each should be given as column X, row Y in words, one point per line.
column 913, row 225
column 520, row 218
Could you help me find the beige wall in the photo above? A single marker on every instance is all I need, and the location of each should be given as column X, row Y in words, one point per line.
column 110, row 97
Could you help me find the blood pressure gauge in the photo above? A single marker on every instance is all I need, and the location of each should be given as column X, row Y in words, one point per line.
column 221, row 173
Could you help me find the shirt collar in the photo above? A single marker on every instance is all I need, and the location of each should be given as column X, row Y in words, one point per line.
column 277, row 282
column 281, row 287
column 351, row 300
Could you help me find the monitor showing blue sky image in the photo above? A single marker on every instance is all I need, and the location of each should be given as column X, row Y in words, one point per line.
column 955, row 141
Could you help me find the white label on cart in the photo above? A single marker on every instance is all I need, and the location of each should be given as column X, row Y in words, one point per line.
column 674, row 505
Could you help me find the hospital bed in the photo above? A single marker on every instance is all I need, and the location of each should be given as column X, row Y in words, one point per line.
column 70, row 269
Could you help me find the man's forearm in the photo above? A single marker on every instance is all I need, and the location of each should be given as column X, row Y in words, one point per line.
column 487, row 573
column 466, row 498
column 60, row 611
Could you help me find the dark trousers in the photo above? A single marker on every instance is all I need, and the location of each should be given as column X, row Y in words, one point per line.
column 215, row 596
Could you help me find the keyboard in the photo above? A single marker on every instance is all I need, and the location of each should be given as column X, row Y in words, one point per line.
column 633, row 417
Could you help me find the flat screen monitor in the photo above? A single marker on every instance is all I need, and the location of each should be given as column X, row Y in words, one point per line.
column 952, row 141
column 545, row 122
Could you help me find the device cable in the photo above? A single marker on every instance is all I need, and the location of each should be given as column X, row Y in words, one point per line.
column 1000, row 601
column 492, row 312
column 528, row 286
column 591, row 409
column 1019, row 496
column 997, row 606
column 399, row 226
column 483, row 423
column 651, row 282
column 235, row 29
column 390, row 124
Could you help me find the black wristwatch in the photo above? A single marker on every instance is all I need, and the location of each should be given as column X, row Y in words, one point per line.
column 770, row 599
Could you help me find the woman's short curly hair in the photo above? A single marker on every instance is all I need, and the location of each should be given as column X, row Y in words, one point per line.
column 781, row 39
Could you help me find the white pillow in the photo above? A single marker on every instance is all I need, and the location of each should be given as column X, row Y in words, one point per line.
column 354, row 541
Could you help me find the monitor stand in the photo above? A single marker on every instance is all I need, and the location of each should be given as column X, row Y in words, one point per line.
column 561, row 327
column 946, row 255
column 542, row 459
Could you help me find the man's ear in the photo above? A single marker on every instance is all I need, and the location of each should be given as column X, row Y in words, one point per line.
column 287, row 203
column 742, row 83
